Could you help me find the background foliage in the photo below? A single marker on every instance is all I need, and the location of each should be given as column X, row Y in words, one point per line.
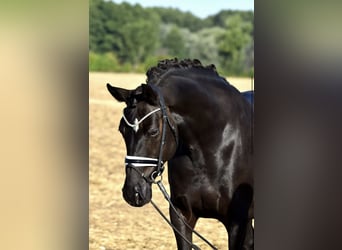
column 126, row 38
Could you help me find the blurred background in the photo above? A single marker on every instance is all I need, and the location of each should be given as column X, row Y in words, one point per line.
column 44, row 51
column 133, row 36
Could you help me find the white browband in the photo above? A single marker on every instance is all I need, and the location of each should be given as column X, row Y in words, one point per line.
column 135, row 126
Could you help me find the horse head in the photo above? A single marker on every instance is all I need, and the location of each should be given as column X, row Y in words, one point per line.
column 146, row 126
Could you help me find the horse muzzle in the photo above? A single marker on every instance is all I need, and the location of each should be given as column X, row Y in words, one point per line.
column 137, row 196
column 136, row 191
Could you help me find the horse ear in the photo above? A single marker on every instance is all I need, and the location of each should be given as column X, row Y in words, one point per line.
column 119, row 94
column 149, row 94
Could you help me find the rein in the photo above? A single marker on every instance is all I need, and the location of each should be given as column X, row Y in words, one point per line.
column 167, row 197
column 137, row 162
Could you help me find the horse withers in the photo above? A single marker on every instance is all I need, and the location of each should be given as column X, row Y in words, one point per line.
column 189, row 116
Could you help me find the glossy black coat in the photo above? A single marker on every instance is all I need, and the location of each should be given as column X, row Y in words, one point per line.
column 210, row 168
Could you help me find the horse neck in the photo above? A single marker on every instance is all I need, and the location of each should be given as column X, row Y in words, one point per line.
column 198, row 112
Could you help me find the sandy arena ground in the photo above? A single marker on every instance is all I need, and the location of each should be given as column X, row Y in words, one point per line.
column 113, row 224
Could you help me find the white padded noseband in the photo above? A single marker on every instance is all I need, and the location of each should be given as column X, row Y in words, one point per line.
column 140, row 162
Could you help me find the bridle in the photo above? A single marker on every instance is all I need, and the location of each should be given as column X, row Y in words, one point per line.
column 138, row 162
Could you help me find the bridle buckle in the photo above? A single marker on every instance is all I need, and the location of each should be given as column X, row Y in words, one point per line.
column 156, row 177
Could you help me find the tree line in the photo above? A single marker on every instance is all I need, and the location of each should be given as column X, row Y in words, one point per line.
column 125, row 37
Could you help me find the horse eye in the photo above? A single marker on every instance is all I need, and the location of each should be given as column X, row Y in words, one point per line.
column 153, row 132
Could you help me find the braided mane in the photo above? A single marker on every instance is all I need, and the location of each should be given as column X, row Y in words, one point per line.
column 163, row 66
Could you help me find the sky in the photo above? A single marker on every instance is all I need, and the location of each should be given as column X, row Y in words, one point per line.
column 200, row 8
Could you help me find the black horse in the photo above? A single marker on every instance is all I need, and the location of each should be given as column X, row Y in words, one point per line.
column 201, row 125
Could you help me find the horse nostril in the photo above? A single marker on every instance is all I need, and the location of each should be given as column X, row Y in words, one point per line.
column 137, row 191
column 137, row 198
column 137, row 195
